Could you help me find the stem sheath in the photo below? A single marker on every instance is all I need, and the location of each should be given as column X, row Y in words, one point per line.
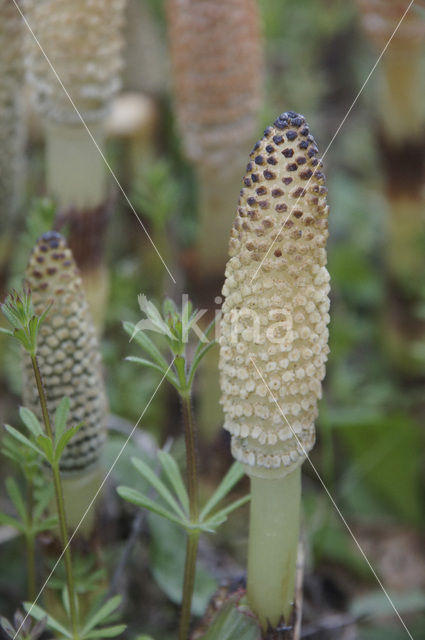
column 273, row 545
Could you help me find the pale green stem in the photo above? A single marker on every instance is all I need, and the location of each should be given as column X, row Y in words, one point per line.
column 60, row 505
column 76, row 172
column 273, row 545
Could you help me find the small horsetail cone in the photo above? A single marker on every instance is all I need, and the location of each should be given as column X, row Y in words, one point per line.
column 68, row 351
column 274, row 345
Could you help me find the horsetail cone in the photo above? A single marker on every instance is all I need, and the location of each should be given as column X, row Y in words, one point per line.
column 68, row 351
column 83, row 41
column 275, row 312
column 217, row 96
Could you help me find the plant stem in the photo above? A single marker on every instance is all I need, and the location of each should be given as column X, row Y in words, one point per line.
column 191, row 457
column 193, row 536
column 188, row 584
column 60, row 505
column 30, row 544
column 273, row 545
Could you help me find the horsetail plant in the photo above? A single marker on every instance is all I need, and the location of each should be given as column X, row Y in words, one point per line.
column 12, row 128
column 70, row 365
column 175, row 502
column 217, row 102
column 274, row 345
column 82, row 41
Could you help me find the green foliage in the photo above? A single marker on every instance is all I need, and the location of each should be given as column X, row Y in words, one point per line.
column 234, row 621
column 387, row 456
column 167, row 560
column 157, row 192
column 174, row 327
column 97, row 624
column 173, row 502
column 19, row 312
column 38, row 441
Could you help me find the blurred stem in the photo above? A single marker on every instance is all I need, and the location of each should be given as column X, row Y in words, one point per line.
column 273, row 546
column 193, row 536
column 30, row 543
column 60, row 505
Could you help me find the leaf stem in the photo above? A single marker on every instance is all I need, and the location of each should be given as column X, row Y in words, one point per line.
column 60, row 505
column 193, row 536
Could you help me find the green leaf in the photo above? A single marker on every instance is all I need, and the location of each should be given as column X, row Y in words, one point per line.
column 48, row 524
column 64, row 439
column 137, row 498
column 197, row 360
column 102, row 613
column 61, row 418
column 12, row 522
column 43, row 497
column 107, row 632
column 147, row 363
column 146, row 343
column 232, row 477
column 31, row 421
column 16, row 496
column 38, row 613
column 221, row 516
column 46, row 446
column 7, row 332
column 172, row 471
column 233, row 622
column 168, row 551
column 22, row 439
column 157, row 484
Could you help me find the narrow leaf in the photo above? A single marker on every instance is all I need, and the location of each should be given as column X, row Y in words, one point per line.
column 197, row 359
column 16, row 496
column 221, row 516
column 107, row 632
column 38, row 613
column 157, row 484
column 65, row 438
column 231, row 478
column 173, row 474
column 22, row 439
column 46, row 446
column 137, row 498
column 31, row 421
column 61, row 418
column 101, row 614
column 12, row 522
column 146, row 343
